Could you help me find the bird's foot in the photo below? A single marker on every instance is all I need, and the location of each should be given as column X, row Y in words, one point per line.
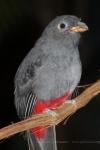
column 50, row 112
column 72, row 101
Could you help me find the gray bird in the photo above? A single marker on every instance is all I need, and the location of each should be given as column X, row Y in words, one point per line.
column 48, row 76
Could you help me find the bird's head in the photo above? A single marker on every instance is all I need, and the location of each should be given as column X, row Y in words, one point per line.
column 66, row 26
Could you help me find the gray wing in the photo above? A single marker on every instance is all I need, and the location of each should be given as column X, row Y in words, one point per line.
column 24, row 96
column 24, row 104
column 24, row 92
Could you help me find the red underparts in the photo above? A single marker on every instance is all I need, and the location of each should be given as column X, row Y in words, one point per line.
column 40, row 106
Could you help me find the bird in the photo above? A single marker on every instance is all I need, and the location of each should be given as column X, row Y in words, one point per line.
column 48, row 75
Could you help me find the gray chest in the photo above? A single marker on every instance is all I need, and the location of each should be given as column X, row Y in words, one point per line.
column 56, row 76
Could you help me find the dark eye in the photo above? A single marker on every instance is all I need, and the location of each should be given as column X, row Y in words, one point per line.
column 62, row 26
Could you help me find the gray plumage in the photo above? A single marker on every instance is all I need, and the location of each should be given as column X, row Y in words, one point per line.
column 50, row 69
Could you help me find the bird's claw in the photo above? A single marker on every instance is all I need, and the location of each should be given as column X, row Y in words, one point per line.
column 72, row 101
column 51, row 112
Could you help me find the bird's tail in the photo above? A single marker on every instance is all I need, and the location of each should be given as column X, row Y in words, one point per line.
column 47, row 143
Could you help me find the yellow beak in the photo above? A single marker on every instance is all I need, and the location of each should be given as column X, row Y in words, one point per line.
column 81, row 27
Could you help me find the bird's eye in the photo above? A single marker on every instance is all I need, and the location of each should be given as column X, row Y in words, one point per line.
column 62, row 26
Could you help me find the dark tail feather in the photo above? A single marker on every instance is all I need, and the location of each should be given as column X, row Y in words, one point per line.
column 47, row 143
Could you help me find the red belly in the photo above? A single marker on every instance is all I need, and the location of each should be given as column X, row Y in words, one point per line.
column 40, row 106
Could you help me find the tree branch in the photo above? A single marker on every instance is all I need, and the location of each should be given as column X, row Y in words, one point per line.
column 48, row 120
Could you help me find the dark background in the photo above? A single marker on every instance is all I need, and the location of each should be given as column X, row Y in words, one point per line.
column 21, row 23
